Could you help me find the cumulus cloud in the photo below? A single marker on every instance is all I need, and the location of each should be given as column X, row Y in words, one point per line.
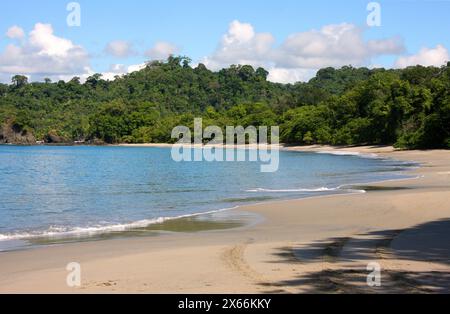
column 43, row 54
column 426, row 56
column 121, row 69
column 300, row 55
column 315, row 49
column 119, row 48
column 15, row 32
column 285, row 75
column 242, row 45
column 333, row 45
column 161, row 50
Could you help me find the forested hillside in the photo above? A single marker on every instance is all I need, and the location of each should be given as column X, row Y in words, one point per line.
column 409, row 108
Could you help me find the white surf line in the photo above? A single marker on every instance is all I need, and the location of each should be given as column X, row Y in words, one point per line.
column 97, row 230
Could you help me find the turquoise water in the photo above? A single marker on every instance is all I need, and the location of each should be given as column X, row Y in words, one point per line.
column 55, row 191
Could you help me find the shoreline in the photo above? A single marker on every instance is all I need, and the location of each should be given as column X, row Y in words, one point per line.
column 243, row 254
column 126, row 230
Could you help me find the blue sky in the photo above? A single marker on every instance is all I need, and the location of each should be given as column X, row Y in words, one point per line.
column 196, row 28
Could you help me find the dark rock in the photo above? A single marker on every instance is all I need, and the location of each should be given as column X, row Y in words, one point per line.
column 53, row 138
column 11, row 133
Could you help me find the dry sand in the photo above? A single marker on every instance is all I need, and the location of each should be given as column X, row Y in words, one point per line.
column 319, row 244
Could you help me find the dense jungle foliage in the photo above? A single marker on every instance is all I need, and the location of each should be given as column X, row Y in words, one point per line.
column 408, row 107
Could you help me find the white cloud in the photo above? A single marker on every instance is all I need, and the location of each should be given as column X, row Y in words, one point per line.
column 15, row 32
column 283, row 75
column 333, row 45
column 426, row 56
column 43, row 54
column 301, row 54
column 161, row 50
column 241, row 45
column 136, row 67
column 121, row 69
column 119, row 48
column 42, row 39
column 114, row 69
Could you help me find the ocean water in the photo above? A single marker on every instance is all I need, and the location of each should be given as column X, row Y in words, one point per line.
column 60, row 191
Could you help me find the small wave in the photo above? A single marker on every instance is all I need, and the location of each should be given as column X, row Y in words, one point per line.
column 318, row 190
column 56, row 231
column 349, row 153
column 321, row 189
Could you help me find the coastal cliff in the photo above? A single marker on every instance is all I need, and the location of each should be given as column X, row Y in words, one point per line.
column 12, row 133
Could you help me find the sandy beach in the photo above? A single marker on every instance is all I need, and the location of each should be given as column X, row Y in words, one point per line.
column 321, row 244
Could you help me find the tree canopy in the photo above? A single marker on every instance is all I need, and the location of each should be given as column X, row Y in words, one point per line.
column 408, row 107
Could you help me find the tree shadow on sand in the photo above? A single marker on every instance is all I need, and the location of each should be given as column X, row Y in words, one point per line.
column 347, row 258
